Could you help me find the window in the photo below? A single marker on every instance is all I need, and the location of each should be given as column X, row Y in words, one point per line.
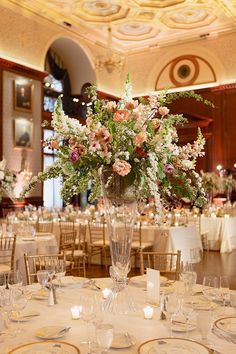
column 51, row 187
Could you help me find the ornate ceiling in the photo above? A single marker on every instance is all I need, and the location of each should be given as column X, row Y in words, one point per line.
column 138, row 24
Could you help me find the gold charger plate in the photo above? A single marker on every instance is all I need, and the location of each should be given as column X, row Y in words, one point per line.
column 227, row 325
column 166, row 345
column 45, row 348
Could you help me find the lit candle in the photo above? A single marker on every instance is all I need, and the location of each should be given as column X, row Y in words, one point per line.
column 148, row 312
column 226, row 216
column 106, row 292
column 75, row 312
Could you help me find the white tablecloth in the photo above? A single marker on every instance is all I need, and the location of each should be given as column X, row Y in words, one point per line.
column 221, row 232
column 173, row 238
column 134, row 323
column 43, row 244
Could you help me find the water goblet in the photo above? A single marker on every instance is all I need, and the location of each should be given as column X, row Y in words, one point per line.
column 186, row 308
column 42, row 277
column 104, row 335
column 13, row 279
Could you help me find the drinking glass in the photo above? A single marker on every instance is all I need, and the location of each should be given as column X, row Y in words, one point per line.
column 224, row 289
column 18, row 301
column 60, row 270
column 42, row 277
column 188, row 276
column 88, row 316
column 13, row 279
column 211, row 287
column 204, row 322
column 104, row 335
column 186, row 308
column 170, row 306
column 51, row 269
column 233, row 300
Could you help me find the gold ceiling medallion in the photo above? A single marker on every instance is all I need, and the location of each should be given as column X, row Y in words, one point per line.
column 111, row 61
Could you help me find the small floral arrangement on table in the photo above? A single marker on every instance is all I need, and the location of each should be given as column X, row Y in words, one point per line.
column 137, row 139
column 211, row 182
column 8, row 179
column 228, row 184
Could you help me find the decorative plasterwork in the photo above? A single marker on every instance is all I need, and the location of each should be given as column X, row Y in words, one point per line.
column 185, row 70
column 137, row 25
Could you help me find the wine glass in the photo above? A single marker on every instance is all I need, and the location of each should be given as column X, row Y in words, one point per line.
column 88, row 316
column 188, row 276
column 104, row 335
column 13, row 279
column 170, row 306
column 42, row 277
column 51, row 269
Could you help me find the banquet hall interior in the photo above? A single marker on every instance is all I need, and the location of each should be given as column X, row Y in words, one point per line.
column 55, row 51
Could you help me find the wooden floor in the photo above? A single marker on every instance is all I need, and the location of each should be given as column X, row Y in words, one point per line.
column 213, row 263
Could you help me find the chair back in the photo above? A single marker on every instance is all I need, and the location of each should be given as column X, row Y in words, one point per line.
column 97, row 233
column 39, row 262
column 167, row 263
column 7, row 251
column 137, row 236
column 67, row 226
column 44, row 226
column 67, row 241
column 81, row 243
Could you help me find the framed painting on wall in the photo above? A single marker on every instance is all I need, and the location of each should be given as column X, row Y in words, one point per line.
column 23, row 133
column 23, row 96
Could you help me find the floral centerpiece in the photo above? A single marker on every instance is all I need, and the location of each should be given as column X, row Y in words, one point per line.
column 7, row 179
column 136, row 139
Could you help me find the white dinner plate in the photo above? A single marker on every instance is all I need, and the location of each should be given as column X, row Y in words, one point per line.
column 173, row 345
column 23, row 317
column 122, row 340
column 45, row 348
column 51, row 332
column 227, row 325
column 141, row 281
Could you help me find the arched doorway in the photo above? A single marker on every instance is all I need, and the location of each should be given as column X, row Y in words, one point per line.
column 70, row 70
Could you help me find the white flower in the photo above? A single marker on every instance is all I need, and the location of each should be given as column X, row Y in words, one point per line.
column 2, row 175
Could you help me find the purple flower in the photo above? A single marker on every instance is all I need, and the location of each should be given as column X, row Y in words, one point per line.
column 169, row 168
column 74, row 155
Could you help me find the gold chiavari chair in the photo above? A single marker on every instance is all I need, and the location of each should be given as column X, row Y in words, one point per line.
column 138, row 244
column 44, row 226
column 167, row 263
column 7, row 253
column 98, row 244
column 39, row 262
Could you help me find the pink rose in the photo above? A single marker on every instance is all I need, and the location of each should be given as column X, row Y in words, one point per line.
column 121, row 115
column 163, row 111
column 121, row 167
column 140, row 138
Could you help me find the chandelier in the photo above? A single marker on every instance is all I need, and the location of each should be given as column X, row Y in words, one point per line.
column 110, row 61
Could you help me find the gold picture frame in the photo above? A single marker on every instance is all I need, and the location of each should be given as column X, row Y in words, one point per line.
column 23, row 133
column 23, row 96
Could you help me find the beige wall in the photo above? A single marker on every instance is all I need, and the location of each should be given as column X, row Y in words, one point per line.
column 26, row 38
column 12, row 154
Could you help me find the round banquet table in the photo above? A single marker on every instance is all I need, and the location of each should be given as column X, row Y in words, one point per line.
column 41, row 243
column 221, row 232
column 70, row 295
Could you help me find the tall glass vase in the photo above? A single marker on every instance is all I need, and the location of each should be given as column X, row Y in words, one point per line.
column 120, row 210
